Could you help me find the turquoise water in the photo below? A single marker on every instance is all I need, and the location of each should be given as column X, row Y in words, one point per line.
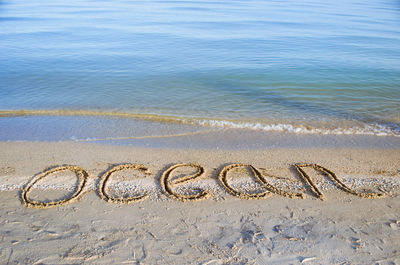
column 300, row 66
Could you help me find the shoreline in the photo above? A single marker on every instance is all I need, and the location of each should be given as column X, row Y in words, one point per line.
column 147, row 134
column 95, row 125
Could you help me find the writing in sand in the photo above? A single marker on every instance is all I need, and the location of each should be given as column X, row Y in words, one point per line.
column 167, row 183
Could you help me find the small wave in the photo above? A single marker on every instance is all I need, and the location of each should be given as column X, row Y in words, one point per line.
column 348, row 129
column 94, row 113
column 374, row 129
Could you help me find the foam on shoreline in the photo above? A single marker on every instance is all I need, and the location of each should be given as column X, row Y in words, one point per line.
column 339, row 127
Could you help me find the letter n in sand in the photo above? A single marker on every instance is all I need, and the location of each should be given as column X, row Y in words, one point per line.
column 307, row 179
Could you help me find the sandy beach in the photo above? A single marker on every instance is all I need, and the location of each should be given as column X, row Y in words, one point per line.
column 219, row 229
column 200, row 132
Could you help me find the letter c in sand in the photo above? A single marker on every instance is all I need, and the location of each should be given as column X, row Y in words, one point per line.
column 102, row 190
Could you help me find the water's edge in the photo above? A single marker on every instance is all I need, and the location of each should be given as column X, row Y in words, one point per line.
column 324, row 127
column 157, row 131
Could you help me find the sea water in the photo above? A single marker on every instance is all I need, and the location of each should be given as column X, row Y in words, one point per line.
column 323, row 67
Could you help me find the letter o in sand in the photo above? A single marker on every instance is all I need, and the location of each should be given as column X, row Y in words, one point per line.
column 102, row 190
column 81, row 174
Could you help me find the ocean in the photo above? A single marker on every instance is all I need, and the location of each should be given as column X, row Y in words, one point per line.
column 303, row 67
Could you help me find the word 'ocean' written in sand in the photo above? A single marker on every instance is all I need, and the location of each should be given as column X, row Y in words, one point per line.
column 167, row 184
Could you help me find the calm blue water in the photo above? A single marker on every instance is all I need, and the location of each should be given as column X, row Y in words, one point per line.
column 305, row 66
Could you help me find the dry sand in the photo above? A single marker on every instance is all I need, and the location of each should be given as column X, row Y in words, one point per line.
column 220, row 229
